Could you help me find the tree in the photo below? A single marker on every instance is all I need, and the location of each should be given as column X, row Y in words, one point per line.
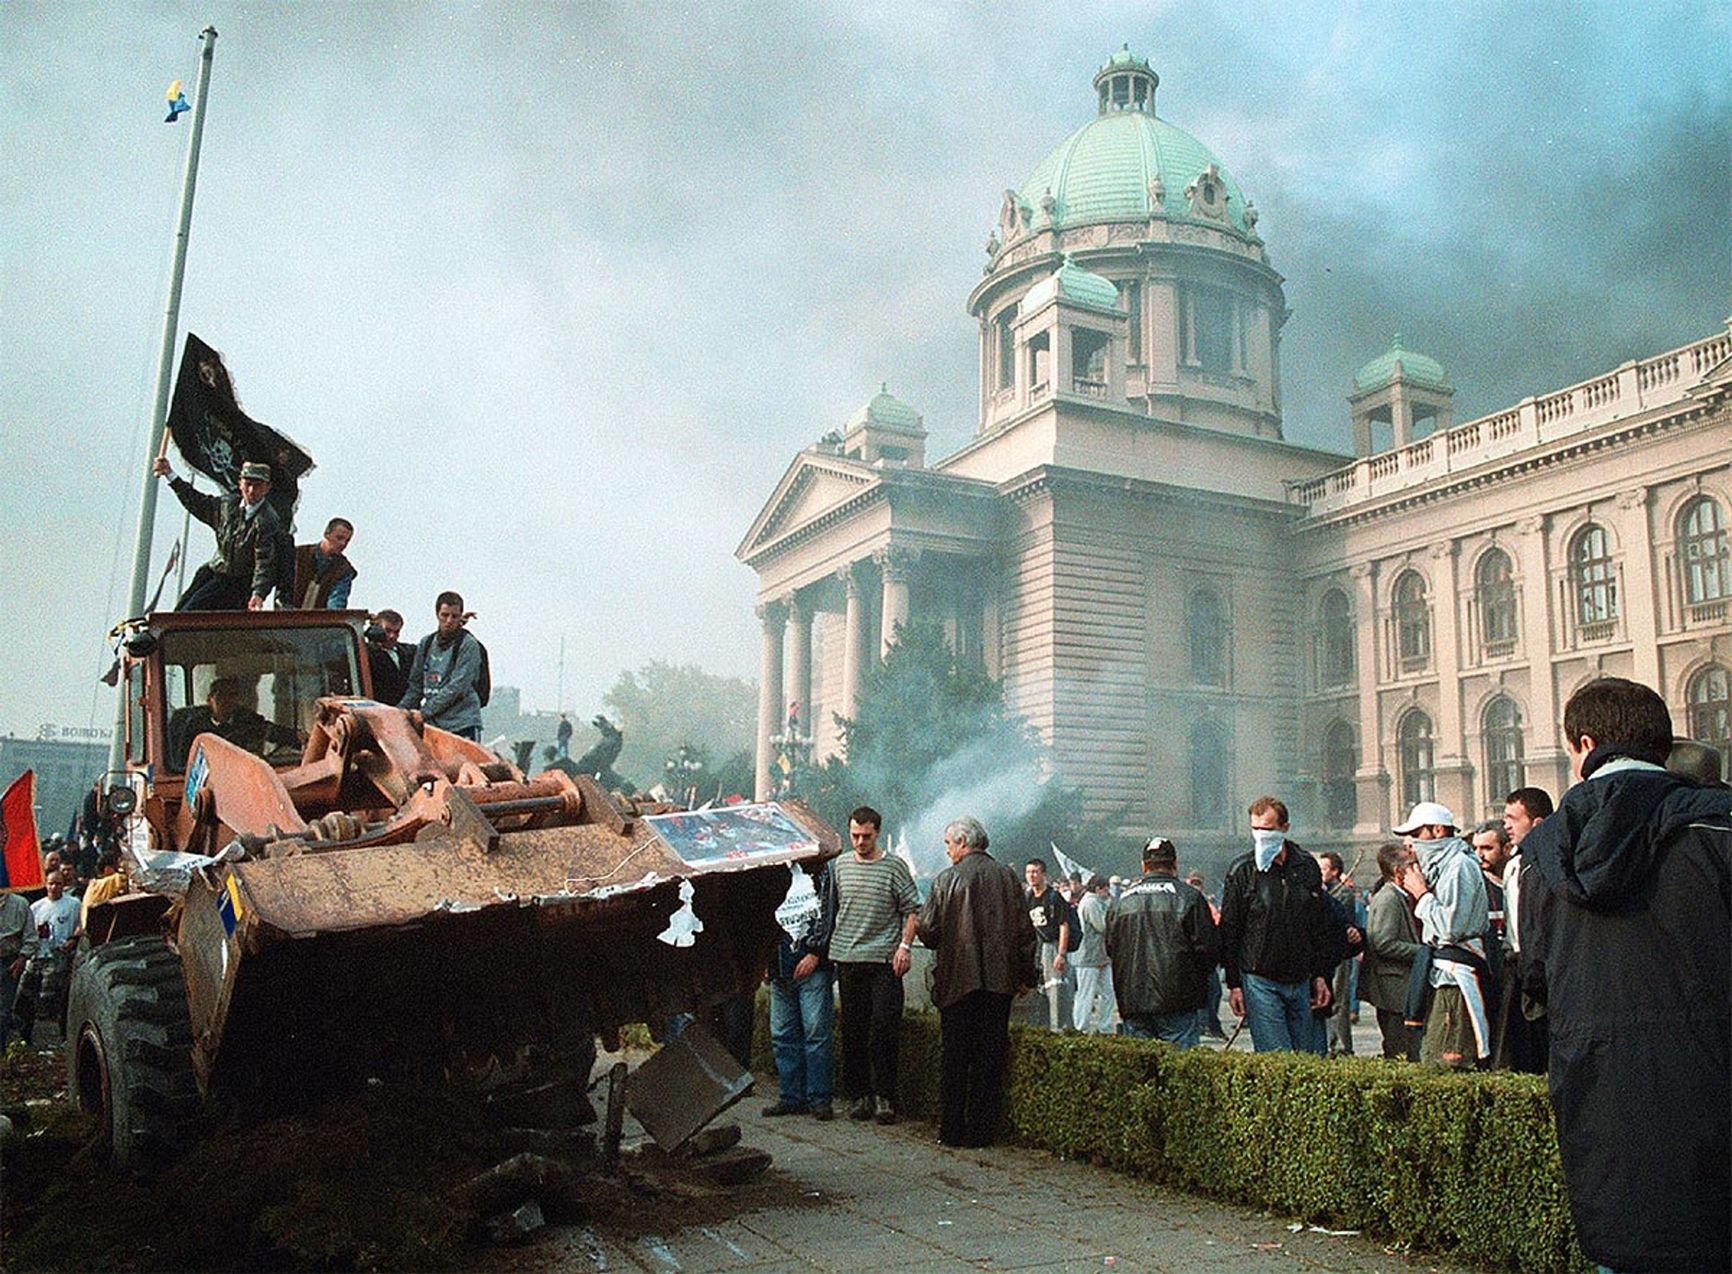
column 931, row 740
column 662, row 706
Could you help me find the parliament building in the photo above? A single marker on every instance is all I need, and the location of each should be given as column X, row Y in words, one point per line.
column 1192, row 610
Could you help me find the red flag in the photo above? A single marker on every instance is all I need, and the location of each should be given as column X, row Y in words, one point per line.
column 20, row 851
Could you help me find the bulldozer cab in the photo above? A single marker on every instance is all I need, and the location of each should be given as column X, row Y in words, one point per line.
column 252, row 678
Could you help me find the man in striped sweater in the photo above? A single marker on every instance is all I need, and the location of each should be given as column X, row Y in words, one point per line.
column 875, row 905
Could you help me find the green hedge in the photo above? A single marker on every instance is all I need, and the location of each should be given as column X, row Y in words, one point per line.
column 1443, row 1162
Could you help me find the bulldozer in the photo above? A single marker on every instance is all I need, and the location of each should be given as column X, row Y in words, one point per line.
column 325, row 889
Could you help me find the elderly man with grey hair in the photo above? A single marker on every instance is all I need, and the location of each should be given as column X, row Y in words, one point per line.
column 974, row 919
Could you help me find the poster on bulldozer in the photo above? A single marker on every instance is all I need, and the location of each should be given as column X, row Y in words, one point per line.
column 738, row 834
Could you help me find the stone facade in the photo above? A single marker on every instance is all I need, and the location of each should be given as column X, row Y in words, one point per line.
column 1192, row 610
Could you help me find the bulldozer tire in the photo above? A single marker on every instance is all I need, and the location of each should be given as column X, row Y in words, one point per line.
column 129, row 1050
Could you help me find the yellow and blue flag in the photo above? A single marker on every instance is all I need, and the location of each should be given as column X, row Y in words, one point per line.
column 177, row 103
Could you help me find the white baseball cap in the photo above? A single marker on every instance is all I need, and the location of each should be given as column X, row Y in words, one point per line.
column 1426, row 814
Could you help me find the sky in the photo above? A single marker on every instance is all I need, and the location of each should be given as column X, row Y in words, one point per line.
column 553, row 293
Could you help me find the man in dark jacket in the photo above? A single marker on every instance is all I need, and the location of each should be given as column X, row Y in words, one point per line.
column 1278, row 940
column 244, row 570
column 1625, row 927
column 321, row 573
column 975, row 919
column 802, row 997
column 1162, row 941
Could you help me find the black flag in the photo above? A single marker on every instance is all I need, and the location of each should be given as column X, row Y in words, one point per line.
column 216, row 437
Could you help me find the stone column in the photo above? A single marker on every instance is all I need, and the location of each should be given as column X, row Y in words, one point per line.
column 773, row 617
column 1453, row 767
column 853, row 641
column 897, row 565
column 1545, row 763
column 798, row 689
column 1638, row 605
column 1371, row 782
column 1401, row 418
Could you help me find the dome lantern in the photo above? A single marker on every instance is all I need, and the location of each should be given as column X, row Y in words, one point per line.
column 1126, row 83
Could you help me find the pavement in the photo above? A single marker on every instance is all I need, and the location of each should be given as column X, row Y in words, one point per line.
column 857, row 1197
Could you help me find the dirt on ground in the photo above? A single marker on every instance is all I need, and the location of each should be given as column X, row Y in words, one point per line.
column 370, row 1180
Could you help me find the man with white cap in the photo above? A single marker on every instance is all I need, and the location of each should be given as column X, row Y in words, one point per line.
column 1450, row 902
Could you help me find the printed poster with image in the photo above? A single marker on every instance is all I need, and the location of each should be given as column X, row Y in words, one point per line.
column 737, row 834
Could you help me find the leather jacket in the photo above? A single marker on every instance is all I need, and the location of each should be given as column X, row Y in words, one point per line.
column 1275, row 923
column 1163, row 944
column 976, row 919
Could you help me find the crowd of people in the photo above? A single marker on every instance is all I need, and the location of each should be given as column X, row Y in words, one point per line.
column 38, row 939
column 1587, row 939
column 444, row 676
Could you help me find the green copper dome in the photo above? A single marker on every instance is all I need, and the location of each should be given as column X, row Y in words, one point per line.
column 886, row 412
column 1414, row 367
column 1074, row 284
column 1103, row 171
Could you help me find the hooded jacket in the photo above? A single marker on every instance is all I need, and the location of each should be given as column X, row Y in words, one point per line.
column 1626, row 929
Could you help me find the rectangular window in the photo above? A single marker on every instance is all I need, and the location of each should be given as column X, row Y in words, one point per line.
column 1131, row 297
column 1007, row 348
column 1214, row 323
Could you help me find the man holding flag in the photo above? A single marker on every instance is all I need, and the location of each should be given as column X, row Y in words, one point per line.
column 244, row 570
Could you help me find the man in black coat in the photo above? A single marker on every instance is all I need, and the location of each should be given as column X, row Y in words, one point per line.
column 974, row 919
column 1162, row 941
column 1626, row 922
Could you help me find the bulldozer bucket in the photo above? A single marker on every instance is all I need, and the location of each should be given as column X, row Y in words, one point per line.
column 337, row 964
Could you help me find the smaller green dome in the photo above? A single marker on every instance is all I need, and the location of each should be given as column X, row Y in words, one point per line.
column 1123, row 59
column 886, row 412
column 1074, row 284
column 1419, row 368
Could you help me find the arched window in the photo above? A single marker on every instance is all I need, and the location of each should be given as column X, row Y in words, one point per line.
column 1494, row 585
column 1502, row 728
column 1412, row 622
column 1340, row 760
column 1594, row 576
column 1209, row 775
column 1702, row 551
column 1207, row 631
column 1335, row 667
column 1710, row 711
column 1413, row 738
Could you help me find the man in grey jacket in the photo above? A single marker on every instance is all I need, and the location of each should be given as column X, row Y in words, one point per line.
column 1391, row 946
column 244, row 570
column 444, row 680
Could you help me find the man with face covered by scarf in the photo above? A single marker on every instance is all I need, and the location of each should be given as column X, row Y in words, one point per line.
column 1277, row 938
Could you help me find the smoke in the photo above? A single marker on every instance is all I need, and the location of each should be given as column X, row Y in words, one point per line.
column 975, row 781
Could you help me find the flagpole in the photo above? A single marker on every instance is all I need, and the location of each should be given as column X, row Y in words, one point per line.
column 164, row 372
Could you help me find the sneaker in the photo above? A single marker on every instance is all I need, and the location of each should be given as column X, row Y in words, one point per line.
column 886, row 1112
column 823, row 1111
column 861, row 1109
column 783, row 1108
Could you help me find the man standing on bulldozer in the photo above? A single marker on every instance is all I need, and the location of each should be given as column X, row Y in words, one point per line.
column 448, row 678
column 244, row 570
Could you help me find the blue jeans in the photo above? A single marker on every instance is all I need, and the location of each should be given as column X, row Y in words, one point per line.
column 801, row 1016
column 1175, row 1028
column 1279, row 1015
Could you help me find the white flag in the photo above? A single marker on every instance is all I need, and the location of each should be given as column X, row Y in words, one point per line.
column 1069, row 865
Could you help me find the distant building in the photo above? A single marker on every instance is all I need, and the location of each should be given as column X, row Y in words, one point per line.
column 504, row 717
column 1192, row 610
column 65, row 769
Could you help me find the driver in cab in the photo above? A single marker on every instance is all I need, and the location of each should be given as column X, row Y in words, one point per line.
column 226, row 715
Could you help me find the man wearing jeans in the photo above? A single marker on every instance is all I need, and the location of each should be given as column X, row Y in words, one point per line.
column 874, row 934
column 1276, row 939
column 802, row 1003
column 1162, row 940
